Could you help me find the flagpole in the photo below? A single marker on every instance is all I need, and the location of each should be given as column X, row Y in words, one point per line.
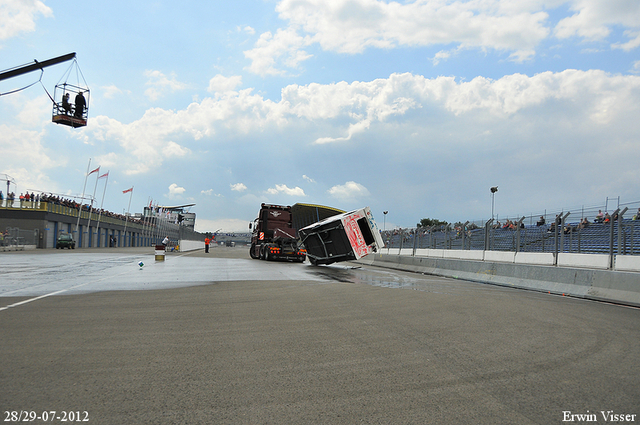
column 147, row 222
column 126, row 217
column 91, row 208
column 102, row 202
column 81, row 200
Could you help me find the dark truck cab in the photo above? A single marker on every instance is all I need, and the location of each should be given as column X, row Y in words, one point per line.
column 273, row 236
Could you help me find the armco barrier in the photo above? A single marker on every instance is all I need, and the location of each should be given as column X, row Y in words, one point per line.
column 604, row 285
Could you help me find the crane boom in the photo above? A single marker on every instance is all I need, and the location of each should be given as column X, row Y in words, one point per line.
column 37, row 65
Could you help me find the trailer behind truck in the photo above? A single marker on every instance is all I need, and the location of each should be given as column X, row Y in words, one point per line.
column 344, row 237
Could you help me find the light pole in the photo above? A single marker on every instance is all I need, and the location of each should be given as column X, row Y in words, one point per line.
column 494, row 189
column 384, row 225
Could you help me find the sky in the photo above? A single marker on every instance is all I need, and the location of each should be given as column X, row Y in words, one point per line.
column 417, row 107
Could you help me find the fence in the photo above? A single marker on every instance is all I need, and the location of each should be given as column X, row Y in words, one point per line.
column 618, row 235
column 14, row 239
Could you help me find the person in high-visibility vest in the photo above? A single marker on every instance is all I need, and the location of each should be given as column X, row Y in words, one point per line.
column 206, row 244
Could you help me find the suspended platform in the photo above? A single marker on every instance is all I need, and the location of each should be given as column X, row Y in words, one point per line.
column 69, row 120
column 73, row 108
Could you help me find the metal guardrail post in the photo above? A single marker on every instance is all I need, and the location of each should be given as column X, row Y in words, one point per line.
column 518, row 232
column 614, row 216
column 487, row 226
column 621, row 235
column 464, row 235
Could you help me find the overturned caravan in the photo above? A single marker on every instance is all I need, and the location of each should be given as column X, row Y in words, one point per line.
column 344, row 237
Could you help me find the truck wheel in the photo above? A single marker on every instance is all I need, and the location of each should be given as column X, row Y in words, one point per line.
column 252, row 251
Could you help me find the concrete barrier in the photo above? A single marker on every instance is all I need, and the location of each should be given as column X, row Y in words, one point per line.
column 539, row 258
column 627, row 263
column 604, row 285
column 500, row 256
column 460, row 254
column 590, row 261
column 190, row 245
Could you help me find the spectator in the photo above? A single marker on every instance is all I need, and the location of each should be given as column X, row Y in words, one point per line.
column 541, row 222
column 607, row 217
column 584, row 223
column 599, row 217
column 635, row 217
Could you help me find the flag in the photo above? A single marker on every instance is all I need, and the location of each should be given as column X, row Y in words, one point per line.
column 104, row 175
column 128, row 190
column 94, row 171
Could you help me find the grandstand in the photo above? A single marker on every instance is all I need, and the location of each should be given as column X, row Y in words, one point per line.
column 621, row 236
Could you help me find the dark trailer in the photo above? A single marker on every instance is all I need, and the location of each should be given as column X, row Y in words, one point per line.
column 343, row 237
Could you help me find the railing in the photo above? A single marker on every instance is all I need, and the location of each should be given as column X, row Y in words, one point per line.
column 621, row 237
column 18, row 204
column 151, row 229
column 14, row 239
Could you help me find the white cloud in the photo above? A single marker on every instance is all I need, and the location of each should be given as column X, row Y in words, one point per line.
column 159, row 84
column 634, row 41
column 349, row 190
column 285, row 46
column 222, row 84
column 172, row 149
column 594, row 19
column 223, row 225
column 282, row 188
column 174, row 190
column 111, row 91
column 307, row 178
column 358, row 111
column 352, row 26
column 210, row 192
column 238, row 187
column 18, row 16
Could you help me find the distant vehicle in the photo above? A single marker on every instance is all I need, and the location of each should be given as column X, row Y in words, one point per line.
column 273, row 236
column 230, row 244
column 343, row 237
column 65, row 240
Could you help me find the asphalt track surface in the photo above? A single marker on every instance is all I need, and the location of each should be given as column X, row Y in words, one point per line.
column 222, row 339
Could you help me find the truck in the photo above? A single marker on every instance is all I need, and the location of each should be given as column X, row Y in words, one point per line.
column 273, row 236
column 343, row 237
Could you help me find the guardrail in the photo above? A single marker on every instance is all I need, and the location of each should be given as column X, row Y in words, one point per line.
column 14, row 239
column 617, row 237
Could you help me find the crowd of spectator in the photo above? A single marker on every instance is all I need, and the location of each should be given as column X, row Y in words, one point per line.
column 32, row 200
column 600, row 218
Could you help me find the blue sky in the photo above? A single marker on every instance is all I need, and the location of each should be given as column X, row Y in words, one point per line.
column 413, row 107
